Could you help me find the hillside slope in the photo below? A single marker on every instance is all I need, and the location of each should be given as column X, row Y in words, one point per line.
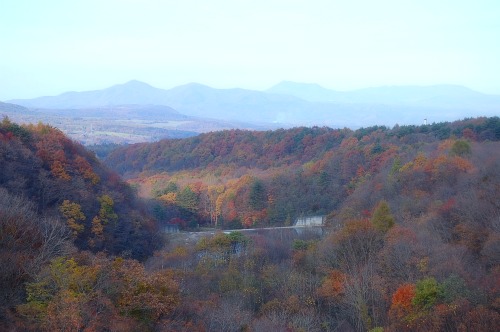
column 273, row 148
column 300, row 171
column 411, row 241
column 43, row 166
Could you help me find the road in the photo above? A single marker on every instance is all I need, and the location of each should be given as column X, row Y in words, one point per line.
column 193, row 237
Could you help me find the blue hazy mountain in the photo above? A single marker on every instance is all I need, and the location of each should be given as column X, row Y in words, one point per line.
column 12, row 107
column 434, row 95
column 307, row 91
column 191, row 99
column 291, row 104
column 133, row 92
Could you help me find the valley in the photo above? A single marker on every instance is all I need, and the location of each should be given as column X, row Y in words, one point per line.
column 405, row 232
column 124, row 124
column 249, row 166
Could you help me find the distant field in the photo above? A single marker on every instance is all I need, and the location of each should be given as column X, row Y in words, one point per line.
column 94, row 130
column 138, row 123
column 120, row 124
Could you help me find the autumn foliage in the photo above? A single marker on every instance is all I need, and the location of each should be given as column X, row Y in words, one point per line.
column 56, row 198
column 62, row 178
column 410, row 241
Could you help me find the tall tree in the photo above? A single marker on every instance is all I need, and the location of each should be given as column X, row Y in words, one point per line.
column 188, row 199
column 74, row 216
column 257, row 197
column 382, row 218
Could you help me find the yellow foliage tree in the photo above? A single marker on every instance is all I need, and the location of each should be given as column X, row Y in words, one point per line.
column 74, row 215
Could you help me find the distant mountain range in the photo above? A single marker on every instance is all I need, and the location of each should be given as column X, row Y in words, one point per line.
column 431, row 96
column 289, row 104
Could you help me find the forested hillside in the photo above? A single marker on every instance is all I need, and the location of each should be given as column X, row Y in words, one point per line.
column 413, row 237
column 411, row 241
column 60, row 178
column 56, row 202
column 250, row 178
column 266, row 149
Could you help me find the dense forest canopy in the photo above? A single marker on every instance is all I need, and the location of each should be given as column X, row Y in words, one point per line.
column 264, row 149
column 412, row 222
column 247, row 178
column 56, row 200
column 61, row 178
column 411, row 241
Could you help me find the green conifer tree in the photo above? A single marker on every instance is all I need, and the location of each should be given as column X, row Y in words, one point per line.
column 382, row 218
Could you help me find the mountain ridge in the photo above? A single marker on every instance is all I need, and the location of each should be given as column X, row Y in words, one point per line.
column 380, row 94
column 161, row 96
column 291, row 104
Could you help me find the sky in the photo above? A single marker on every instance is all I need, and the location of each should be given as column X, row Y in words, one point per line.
column 53, row 46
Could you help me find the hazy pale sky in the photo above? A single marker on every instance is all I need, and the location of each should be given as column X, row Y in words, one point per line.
column 52, row 46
